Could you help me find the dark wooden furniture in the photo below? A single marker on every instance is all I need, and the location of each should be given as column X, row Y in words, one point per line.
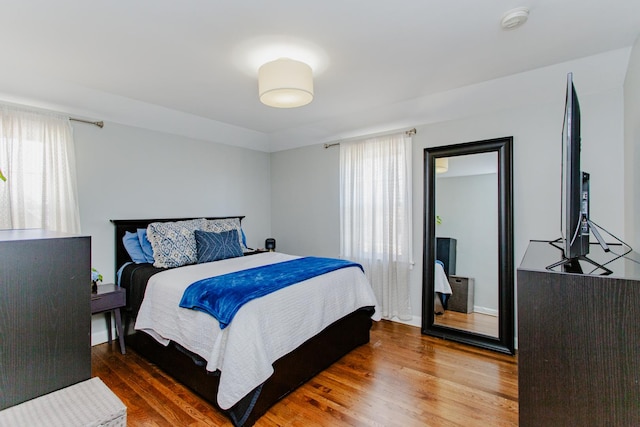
column 446, row 252
column 578, row 342
column 462, row 294
column 45, row 317
column 110, row 298
column 290, row 371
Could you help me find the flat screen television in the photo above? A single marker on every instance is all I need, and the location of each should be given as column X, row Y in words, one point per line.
column 575, row 223
column 575, row 183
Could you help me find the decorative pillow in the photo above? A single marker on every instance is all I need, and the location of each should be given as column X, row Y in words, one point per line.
column 243, row 239
column 174, row 243
column 145, row 244
column 226, row 224
column 212, row 246
column 132, row 245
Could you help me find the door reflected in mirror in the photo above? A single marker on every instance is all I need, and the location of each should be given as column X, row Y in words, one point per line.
column 466, row 204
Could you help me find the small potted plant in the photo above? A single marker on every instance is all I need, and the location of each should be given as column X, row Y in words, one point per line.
column 95, row 278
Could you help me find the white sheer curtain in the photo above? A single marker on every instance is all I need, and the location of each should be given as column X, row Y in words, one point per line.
column 375, row 216
column 38, row 159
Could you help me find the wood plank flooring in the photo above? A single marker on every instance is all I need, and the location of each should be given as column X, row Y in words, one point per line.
column 400, row 378
column 472, row 322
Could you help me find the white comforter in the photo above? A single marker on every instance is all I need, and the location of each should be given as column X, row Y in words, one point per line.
column 440, row 281
column 262, row 331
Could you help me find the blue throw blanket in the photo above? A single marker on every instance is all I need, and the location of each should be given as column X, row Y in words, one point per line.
column 222, row 296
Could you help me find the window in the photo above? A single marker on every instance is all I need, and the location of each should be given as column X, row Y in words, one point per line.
column 376, row 216
column 37, row 158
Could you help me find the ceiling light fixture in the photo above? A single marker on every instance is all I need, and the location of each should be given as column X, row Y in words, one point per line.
column 442, row 164
column 285, row 83
column 514, row 18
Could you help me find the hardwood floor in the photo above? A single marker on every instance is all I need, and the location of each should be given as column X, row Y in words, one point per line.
column 472, row 322
column 401, row 378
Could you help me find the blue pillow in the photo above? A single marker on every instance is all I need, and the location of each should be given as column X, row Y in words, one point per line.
column 145, row 244
column 244, row 238
column 212, row 246
column 132, row 245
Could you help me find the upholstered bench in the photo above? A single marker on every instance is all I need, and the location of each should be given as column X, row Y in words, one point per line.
column 88, row 403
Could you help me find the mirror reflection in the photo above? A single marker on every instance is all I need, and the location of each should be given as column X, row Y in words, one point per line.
column 466, row 273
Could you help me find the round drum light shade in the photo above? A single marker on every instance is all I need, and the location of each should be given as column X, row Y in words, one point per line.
column 285, row 83
column 442, row 165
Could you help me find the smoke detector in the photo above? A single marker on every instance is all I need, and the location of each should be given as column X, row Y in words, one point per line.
column 514, row 18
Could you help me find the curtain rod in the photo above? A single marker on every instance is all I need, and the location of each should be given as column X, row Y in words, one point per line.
column 100, row 124
column 38, row 110
column 410, row 132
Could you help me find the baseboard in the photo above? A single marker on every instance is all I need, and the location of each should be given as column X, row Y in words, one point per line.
column 484, row 310
column 102, row 336
column 415, row 321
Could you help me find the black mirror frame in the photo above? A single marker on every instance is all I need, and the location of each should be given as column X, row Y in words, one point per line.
column 505, row 341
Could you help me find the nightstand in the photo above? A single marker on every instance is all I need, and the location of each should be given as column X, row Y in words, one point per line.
column 110, row 298
column 255, row 251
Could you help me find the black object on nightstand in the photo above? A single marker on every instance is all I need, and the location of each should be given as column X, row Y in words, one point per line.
column 110, row 298
column 270, row 244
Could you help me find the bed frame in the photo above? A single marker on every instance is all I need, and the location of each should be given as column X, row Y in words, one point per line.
column 290, row 371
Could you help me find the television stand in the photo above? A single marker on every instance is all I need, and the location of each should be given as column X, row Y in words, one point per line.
column 572, row 265
column 596, row 234
column 578, row 352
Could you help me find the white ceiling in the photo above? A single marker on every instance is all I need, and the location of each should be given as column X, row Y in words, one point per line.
column 177, row 66
column 471, row 164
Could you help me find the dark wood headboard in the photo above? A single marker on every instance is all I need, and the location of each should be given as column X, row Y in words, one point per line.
column 132, row 225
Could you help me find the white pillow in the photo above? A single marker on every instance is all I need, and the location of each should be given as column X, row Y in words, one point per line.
column 174, row 243
column 226, row 224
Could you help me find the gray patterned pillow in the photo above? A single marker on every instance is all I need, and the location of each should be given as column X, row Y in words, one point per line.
column 174, row 243
column 226, row 224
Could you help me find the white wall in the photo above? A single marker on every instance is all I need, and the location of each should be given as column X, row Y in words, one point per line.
column 632, row 149
column 305, row 199
column 305, row 190
column 127, row 173
column 468, row 208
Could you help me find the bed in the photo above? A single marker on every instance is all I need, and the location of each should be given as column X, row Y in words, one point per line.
column 442, row 289
column 214, row 375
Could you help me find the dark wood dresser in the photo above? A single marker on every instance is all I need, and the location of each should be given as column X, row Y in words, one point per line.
column 45, row 313
column 578, row 341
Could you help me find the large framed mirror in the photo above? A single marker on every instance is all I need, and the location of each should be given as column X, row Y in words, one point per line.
column 468, row 271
